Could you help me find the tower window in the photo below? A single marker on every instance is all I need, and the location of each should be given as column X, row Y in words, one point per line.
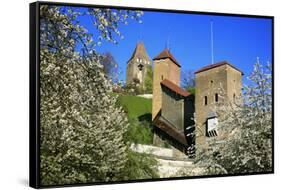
column 212, row 82
column 234, row 96
column 205, row 100
column 162, row 77
column 216, row 97
column 140, row 66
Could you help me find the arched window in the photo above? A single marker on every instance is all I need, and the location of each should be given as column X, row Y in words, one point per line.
column 205, row 100
column 234, row 96
column 216, row 97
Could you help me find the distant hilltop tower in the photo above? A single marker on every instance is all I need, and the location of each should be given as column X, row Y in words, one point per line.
column 137, row 65
column 208, row 81
column 165, row 67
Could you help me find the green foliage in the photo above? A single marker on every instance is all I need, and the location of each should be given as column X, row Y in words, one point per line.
column 191, row 90
column 138, row 110
column 139, row 132
column 134, row 88
column 140, row 166
column 135, row 106
column 148, row 80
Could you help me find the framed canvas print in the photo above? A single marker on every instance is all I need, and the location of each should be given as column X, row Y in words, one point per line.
column 120, row 94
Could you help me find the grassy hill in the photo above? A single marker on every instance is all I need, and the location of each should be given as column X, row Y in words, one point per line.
column 135, row 106
column 138, row 110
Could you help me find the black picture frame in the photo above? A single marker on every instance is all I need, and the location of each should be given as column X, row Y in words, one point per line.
column 34, row 91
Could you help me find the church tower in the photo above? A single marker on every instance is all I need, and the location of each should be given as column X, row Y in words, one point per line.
column 137, row 65
column 209, row 81
column 165, row 67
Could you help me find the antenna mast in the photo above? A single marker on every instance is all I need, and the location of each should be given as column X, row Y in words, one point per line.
column 212, row 43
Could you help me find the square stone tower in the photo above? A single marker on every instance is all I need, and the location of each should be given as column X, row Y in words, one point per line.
column 209, row 81
column 165, row 67
column 137, row 65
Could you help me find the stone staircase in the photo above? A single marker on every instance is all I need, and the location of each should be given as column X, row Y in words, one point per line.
column 171, row 162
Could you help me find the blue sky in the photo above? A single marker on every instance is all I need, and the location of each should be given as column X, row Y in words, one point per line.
column 238, row 40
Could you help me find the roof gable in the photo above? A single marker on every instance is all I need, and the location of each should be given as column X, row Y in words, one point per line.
column 175, row 88
column 140, row 52
column 208, row 67
column 166, row 54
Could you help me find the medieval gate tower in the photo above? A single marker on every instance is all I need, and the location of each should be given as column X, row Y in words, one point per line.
column 165, row 67
column 209, row 81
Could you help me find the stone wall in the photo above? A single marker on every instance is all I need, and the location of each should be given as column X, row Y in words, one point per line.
column 130, row 73
column 234, row 83
column 163, row 69
column 209, row 83
column 173, row 108
column 133, row 72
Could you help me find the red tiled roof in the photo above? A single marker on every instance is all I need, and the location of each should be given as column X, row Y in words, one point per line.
column 174, row 88
column 217, row 65
column 166, row 54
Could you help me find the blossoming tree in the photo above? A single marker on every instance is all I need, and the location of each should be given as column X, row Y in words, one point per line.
column 82, row 129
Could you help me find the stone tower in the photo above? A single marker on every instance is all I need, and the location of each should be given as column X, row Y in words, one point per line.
column 208, row 81
column 137, row 65
column 165, row 67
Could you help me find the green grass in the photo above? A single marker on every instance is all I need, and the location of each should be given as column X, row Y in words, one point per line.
column 135, row 106
column 138, row 110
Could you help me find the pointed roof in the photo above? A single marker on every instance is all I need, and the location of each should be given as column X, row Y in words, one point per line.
column 140, row 52
column 217, row 65
column 175, row 88
column 166, row 54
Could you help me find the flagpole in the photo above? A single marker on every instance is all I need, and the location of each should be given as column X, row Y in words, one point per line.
column 212, row 43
